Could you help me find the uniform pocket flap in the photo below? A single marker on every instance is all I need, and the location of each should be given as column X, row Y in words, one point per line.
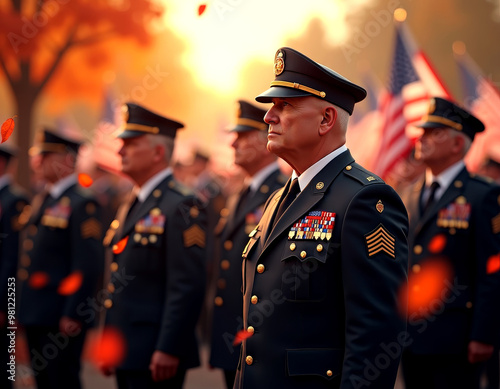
column 308, row 249
column 324, row 362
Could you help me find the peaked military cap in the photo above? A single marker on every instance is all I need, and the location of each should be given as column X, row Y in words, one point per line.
column 249, row 118
column 7, row 151
column 141, row 121
column 50, row 141
column 444, row 113
column 299, row 76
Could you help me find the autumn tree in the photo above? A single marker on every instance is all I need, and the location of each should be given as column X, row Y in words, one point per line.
column 37, row 37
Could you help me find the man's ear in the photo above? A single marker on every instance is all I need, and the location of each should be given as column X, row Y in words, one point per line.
column 329, row 119
column 159, row 153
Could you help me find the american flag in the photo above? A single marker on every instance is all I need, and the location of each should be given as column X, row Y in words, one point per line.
column 412, row 81
column 482, row 98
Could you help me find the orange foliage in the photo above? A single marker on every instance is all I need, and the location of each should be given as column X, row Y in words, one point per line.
column 38, row 280
column 426, row 285
column 437, row 244
column 493, row 264
column 108, row 349
column 7, row 128
column 70, row 284
column 120, row 246
column 85, row 180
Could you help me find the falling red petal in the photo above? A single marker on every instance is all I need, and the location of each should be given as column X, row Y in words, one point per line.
column 437, row 244
column 120, row 246
column 7, row 128
column 426, row 286
column 108, row 349
column 201, row 9
column 85, row 180
column 70, row 284
column 241, row 336
column 38, row 280
column 493, row 264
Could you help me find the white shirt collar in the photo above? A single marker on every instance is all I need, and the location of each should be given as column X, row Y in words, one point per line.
column 149, row 185
column 312, row 170
column 445, row 178
column 5, row 180
column 57, row 189
column 258, row 178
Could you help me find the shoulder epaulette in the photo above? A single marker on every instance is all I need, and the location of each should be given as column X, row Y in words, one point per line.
column 362, row 175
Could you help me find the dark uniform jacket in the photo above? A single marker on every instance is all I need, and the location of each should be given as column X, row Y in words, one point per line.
column 462, row 229
column 233, row 230
column 64, row 259
column 13, row 203
column 323, row 304
column 158, row 276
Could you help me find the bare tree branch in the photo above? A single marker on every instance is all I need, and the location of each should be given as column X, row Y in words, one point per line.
column 7, row 75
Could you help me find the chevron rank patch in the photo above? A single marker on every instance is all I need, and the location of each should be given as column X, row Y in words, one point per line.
column 380, row 240
column 194, row 235
column 495, row 224
column 91, row 228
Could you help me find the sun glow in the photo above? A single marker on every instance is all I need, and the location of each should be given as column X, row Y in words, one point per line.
column 230, row 34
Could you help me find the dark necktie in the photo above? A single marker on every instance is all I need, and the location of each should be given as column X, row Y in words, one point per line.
column 293, row 191
column 432, row 196
column 242, row 200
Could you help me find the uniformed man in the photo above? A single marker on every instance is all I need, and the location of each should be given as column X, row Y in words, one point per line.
column 158, row 267
column 455, row 227
column 13, row 210
column 323, row 268
column 59, row 270
column 238, row 219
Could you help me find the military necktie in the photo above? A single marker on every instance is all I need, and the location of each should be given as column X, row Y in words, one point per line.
column 431, row 199
column 293, row 191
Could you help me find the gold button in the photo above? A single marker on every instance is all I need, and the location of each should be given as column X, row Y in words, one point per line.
column 292, row 246
column 264, row 189
column 157, row 192
column 468, row 304
column 319, row 248
column 417, row 249
column 137, row 237
column 111, row 288
column 25, row 260
column 458, row 184
column 416, row 268
column 303, row 254
column 22, row 274
column 218, row 301
column 28, row 244
column 221, row 283
column 249, row 360
column 144, row 241
column 113, row 266
column 153, row 238
column 329, row 373
column 224, row 212
column 228, row 245
column 115, row 224
column 260, row 268
column 452, row 231
column 254, row 300
column 250, row 329
column 224, row 264
column 348, row 167
column 108, row 303
column 320, row 185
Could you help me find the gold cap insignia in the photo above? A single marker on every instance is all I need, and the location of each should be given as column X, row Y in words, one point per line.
column 380, row 206
column 279, row 63
column 432, row 106
column 125, row 114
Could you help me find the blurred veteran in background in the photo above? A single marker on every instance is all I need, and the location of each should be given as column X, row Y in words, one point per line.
column 62, row 261
column 240, row 216
column 455, row 239
column 158, row 261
